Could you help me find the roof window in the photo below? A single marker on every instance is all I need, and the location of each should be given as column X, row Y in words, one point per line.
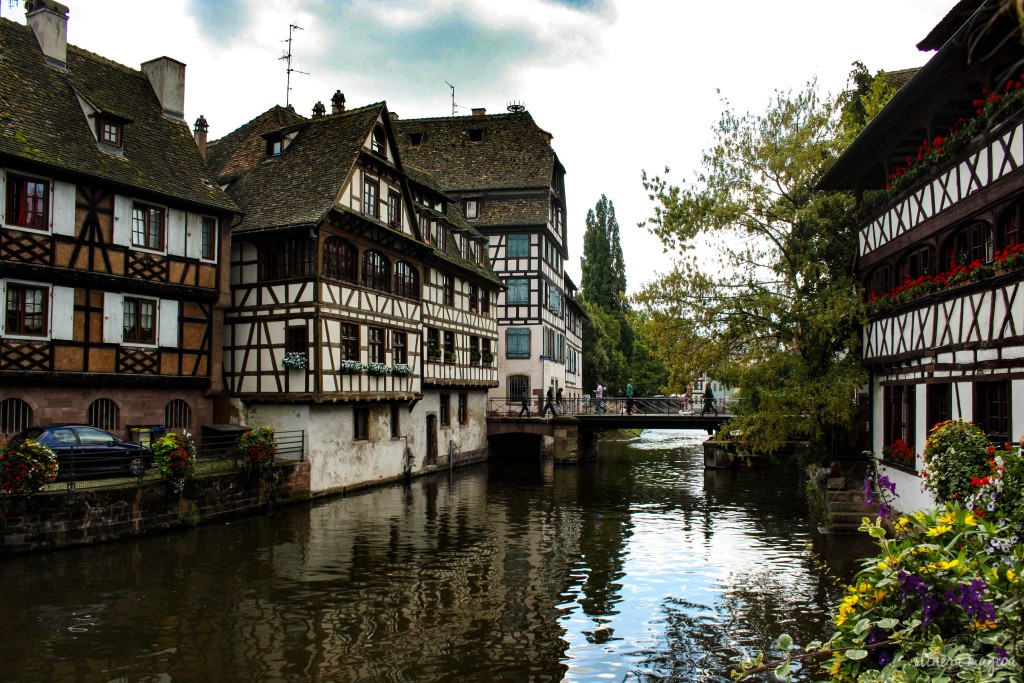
column 415, row 139
column 476, row 134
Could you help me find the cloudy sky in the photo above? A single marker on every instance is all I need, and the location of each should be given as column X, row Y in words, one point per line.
column 623, row 85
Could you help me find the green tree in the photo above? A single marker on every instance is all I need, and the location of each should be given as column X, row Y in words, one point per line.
column 601, row 284
column 762, row 294
column 603, row 361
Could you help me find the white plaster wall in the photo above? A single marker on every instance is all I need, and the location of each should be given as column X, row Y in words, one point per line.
column 908, row 486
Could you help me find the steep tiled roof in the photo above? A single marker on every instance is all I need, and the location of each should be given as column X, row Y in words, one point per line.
column 513, row 151
column 42, row 122
column 299, row 186
column 949, row 24
column 243, row 148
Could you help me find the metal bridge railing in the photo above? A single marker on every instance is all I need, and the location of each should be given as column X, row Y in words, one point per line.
column 614, row 405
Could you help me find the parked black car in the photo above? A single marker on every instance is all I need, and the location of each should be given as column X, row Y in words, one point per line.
column 85, row 452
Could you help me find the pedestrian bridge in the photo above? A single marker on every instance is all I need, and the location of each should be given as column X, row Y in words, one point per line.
column 573, row 427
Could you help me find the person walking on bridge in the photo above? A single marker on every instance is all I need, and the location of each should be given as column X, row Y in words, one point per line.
column 629, row 398
column 526, row 404
column 709, row 401
column 598, row 394
column 549, row 403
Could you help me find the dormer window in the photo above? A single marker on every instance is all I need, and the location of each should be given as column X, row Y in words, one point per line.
column 472, row 209
column 377, row 143
column 109, row 131
column 415, row 139
column 476, row 134
column 275, row 146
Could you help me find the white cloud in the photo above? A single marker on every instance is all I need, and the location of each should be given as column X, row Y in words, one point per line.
column 628, row 86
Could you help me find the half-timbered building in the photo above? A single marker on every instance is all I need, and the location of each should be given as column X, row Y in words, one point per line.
column 510, row 186
column 940, row 175
column 361, row 304
column 111, row 238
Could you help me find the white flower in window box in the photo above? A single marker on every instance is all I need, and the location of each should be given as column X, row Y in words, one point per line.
column 402, row 370
column 295, row 360
column 351, row 367
column 378, row 369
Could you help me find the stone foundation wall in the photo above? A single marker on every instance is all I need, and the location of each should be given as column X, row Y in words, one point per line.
column 49, row 521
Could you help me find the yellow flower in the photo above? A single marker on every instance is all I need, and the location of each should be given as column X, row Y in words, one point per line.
column 948, row 565
column 1011, row 576
column 836, row 665
column 985, row 624
column 947, row 518
column 938, row 530
column 902, row 523
column 970, row 520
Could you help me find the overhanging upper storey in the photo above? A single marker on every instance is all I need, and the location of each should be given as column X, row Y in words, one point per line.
column 953, row 130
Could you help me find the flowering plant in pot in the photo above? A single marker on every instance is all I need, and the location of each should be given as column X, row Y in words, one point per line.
column 175, row 456
column 25, row 467
column 257, row 449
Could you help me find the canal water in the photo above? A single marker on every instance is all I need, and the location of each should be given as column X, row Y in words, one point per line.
column 639, row 567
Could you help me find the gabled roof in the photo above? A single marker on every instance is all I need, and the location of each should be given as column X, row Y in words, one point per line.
column 243, row 148
column 43, row 126
column 513, row 152
column 299, row 186
column 986, row 46
column 949, row 25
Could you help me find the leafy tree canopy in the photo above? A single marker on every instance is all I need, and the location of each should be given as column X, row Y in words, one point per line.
column 768, row 302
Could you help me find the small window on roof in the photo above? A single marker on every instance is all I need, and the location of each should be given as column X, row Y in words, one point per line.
column 274, row 146
column 377, row 144
column 415, row 139
column 472, row 209
column 476, row 134
column 109, row 131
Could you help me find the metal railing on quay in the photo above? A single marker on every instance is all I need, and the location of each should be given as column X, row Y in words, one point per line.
column 642, row 405
column 214, row 453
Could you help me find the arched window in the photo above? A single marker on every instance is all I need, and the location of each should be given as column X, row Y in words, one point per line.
column 15, row 415
column 968, row 244
column 406, row 280
column 1008, row 232
column 914, row 264
column 104, row 413
column 178, row 415
column 340, row 259
column 376, row 273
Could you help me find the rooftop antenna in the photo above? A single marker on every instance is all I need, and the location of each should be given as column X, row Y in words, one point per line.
column 454, row 106
column 288, row 59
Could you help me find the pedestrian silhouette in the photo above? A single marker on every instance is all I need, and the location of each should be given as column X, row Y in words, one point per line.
column 709, row 401
column 549, row 403
column 526, row 404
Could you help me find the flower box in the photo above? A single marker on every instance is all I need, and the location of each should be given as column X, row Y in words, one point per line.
column 378, row 369
column 402, row 370
column 351, row 367
column 295, row 360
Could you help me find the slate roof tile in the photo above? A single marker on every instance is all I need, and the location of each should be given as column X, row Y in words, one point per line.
column 42, row 122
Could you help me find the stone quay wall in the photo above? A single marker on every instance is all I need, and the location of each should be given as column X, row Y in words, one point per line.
column 64, row 519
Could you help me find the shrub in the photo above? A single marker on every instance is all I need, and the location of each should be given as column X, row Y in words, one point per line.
column 26, row 467
column 257, row 448
column 175, row 459
column 955, row 453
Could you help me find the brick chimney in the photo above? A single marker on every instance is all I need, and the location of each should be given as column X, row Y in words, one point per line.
column 337, row 102
column 319, row 109
column 479, row 111
column 167, row 76
column 49, row 22
column 199, row 133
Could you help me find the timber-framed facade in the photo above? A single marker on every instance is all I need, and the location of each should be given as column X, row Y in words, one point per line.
column 111, row 238
column 938, row 255
column 509, row 185
column 361, row 305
